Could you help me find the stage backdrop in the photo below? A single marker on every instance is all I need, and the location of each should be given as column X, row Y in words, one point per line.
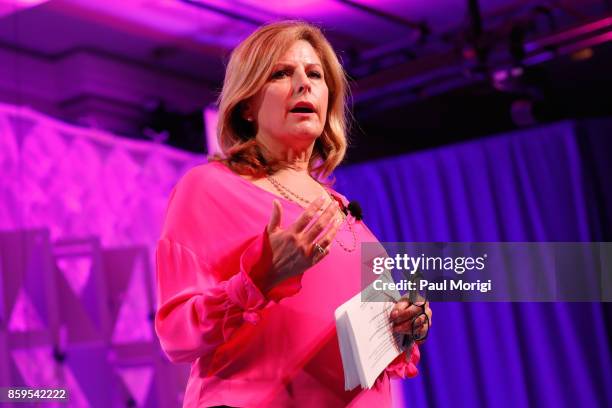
column 80, row 214
column 545, row 184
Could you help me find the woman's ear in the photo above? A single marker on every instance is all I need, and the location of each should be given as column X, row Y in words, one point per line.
column 247, row 111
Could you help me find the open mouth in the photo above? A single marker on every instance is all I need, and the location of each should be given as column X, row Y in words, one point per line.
column 302, row 109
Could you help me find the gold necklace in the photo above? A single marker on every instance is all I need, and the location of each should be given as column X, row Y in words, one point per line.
column 293, row 196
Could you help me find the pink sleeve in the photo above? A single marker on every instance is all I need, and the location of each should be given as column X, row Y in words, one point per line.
column 197, row 312
column 404, row 365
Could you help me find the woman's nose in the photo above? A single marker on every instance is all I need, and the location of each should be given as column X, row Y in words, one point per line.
column 302, row 83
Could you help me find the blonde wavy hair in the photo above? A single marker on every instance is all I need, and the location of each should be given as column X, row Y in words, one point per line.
column 249, row 68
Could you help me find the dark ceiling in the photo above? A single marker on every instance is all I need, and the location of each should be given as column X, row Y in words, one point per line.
column 424, row 73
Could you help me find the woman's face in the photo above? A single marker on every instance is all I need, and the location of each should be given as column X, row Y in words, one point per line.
column 291, row 108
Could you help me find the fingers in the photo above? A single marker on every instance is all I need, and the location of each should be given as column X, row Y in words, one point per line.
column 308, row 214
column 320, row 224
column 420, row 321
column 408, row 325
column 327, row 238
column 421, row 328
column 275, row 218
column 403, row 328
column 402, row 318
column 325, row 242
column 399, row 305
column 403, row 312
column 317, row 254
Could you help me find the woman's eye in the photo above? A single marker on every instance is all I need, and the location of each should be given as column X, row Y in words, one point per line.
column 315, row 74
column 279, row 74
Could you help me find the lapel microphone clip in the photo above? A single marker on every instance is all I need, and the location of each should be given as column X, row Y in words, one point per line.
column 354, row 208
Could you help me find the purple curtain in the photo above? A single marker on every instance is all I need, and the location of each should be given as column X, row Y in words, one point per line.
column 543, row 184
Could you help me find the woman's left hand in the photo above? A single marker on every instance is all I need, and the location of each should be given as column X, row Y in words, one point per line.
column 403, row 314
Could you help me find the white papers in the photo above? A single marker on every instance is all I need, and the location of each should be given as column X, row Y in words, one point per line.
column 367, row 342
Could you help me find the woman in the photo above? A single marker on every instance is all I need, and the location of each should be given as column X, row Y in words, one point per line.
column 256, row 254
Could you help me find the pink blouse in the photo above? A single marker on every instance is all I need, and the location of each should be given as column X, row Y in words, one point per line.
column 247, row 347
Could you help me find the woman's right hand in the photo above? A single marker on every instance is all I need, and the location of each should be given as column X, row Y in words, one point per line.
column 294, row 248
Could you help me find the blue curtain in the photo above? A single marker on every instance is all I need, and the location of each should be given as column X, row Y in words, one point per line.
column 543, row 184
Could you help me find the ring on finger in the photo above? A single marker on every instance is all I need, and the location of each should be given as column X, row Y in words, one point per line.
column 320, row 249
